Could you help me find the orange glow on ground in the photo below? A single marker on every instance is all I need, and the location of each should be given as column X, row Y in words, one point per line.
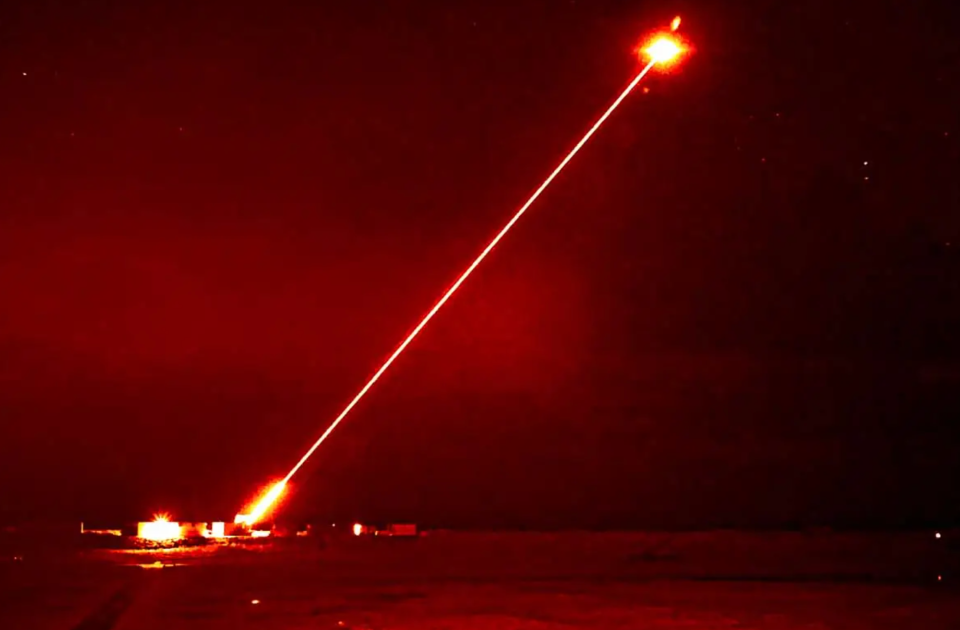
column 161, row 529
column 262, row 506
column 357, row 529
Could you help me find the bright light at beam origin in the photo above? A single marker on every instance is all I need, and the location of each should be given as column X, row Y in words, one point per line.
column 663, row 53
column 262, row 506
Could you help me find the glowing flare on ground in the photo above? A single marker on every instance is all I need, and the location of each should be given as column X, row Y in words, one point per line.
column 161, row 529
column 263, row 505
column 357, row 529
column 663, row 49
column 675, row 24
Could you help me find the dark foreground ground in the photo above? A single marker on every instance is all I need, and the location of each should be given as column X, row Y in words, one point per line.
column 710, row 580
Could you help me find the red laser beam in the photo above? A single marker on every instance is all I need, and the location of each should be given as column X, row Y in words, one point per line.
column 263, row 505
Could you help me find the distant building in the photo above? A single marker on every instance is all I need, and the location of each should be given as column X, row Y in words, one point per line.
column 405, row 529
column 398, row 529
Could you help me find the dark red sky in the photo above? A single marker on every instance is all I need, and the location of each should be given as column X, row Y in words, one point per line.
column 215, row 222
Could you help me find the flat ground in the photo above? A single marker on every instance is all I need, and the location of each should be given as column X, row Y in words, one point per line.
column 718, row 580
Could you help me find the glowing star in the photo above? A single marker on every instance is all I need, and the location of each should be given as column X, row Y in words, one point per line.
column 663, row 49
column 161, row 529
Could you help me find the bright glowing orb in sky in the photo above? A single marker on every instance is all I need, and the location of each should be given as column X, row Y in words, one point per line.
column 663, row 49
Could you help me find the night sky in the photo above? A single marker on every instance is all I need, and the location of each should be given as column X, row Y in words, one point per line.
column 740, row 305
